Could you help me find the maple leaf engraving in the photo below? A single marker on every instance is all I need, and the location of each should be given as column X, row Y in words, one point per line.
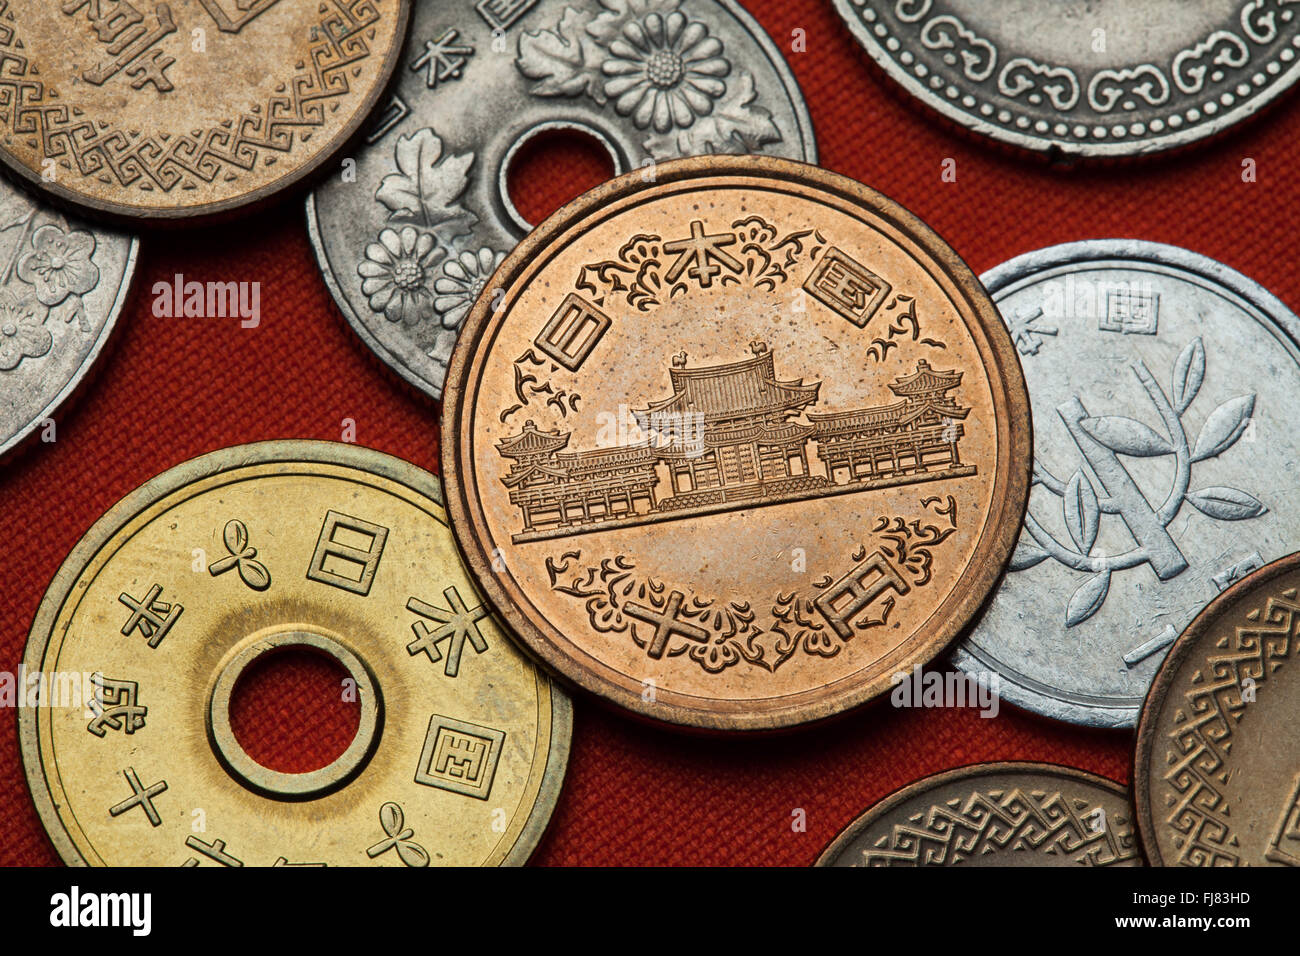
column 426, row 189
column 565, row 61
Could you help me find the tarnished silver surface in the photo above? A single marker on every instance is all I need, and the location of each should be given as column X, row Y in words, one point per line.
column 1085, row 77
column 1162, row 386
column 62, row 286
column 408, row 242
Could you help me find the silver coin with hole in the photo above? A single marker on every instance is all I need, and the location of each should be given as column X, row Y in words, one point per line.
column 408, row 231
column 1085, row 77
column 1162, row 388
column 62, row 287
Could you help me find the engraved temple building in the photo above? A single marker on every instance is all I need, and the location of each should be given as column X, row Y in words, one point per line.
column 733, row 436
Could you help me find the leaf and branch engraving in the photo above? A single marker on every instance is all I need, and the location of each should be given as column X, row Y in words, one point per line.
column 1083, row 507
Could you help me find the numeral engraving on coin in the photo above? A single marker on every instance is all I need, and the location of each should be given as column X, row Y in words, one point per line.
column 347, row 553
column 1103, row 486
column 141, row 796
column 443, row 59
column 152, row 616
column 847, row 287
column 573, row 332
column 115, row 706
column 460, row 757
column 216, row 851
column 1284, row 846
column 458, row 624
column 1130, row 311
column 241, row 556
column 1158, row 643
column 1201, row 736
column 664, row 625
column 672, row 622
column 398, row 837
column 729, row 439
column 500, row 14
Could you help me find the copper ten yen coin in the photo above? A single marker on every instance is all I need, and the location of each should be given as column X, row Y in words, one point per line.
column 1216, row 776
column 189, row 108
column 733, row 447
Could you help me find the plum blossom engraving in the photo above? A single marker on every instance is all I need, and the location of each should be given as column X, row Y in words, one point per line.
column 22, row 329
column 665, row 71
column 59, row 264
column 394, row 275
column 462, row 281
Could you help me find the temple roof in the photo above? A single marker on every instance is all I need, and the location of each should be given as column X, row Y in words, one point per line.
column 883, row 415
column 925, row 379
column 531, row 441
column 739, row 389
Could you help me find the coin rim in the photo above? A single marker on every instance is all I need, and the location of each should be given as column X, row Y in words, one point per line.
column 1002, row 523
column 970, row 771
column 1153, row 704
column 1286, row 326
column 790, row 87
column 127, row 214
column 78, row 377
column 179, row 476
column 1245, row 111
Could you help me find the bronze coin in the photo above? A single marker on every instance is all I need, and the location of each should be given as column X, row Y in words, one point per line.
column 1216, row 776
column 164, row 111
column 994, row 814
column 733, row 441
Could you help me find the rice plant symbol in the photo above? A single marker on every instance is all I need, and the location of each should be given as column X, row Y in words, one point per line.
column 1101, row 485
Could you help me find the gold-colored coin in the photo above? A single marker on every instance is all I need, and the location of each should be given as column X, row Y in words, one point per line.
column 1216, row 774
column 735, row 447
column 994, row 814
column 140, row 110
column 183, row 584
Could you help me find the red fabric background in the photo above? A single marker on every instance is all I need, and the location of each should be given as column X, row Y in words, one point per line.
column 172, row 389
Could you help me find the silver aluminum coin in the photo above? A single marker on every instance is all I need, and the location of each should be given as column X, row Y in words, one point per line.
column 1085, row 78
column 63, row 285
column 408, row 233
column 1162, row 389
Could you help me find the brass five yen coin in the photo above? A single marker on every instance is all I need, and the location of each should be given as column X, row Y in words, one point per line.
column 162, row 111
column 167, row 601
column 1216, row 775
column 732, row 447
